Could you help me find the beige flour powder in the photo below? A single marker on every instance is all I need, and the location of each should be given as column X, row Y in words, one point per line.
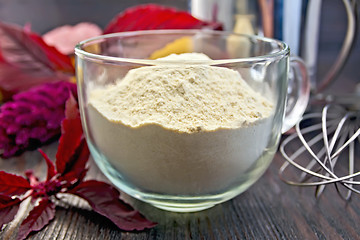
column 190, row 129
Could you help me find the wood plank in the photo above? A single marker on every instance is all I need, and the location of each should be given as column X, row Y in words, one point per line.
column 270, row 209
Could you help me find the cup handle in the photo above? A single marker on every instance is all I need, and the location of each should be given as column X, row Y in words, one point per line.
column 298, row 93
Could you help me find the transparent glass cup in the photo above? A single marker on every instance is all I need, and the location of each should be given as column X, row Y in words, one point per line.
column 178, row 170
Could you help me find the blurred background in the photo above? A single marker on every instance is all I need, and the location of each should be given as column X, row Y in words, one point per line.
column 44, row 15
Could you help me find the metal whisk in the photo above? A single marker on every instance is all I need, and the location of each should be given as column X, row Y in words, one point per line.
column 324, row 141
column 327, row 140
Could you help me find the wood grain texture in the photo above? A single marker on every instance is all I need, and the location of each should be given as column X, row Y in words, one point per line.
column 270, row 209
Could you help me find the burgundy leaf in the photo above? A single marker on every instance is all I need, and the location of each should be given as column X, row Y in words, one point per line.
column 71, row 108
column 152, row 16
column 7, row 214
column 51, row 172
column 6, row 201
column 39, row 217
column 14, row 80
column 2, row 59
column 12, row 184
column 8, row 208
column 77, row 165
column 28, row 51
column 70, row 139
column 104, row 199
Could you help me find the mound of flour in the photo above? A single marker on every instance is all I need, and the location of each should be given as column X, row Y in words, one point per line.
column 189, row 129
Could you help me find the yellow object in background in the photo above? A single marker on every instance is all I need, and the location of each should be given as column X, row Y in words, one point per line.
column 244, row 25
column 241, row 47
column 181, row 45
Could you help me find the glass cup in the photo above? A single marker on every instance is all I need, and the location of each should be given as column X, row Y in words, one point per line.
column 169, row 131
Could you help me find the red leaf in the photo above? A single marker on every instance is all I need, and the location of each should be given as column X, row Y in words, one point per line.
column 70, row 140
column 50, row 165
column 28, row 52
column 2, row 59
column 71, row 108
column 75, row 169
column 13, row 184
column 6, row 201
column 104, row 199
column 39, row 217
column 71, row 137
column 14, row 80
column 152, row 16
column 8, row 208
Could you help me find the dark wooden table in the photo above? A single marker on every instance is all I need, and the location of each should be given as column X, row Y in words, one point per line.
column 270, row 209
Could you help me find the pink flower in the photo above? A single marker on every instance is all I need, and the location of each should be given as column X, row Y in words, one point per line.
column 33, row 117
column 65, row 38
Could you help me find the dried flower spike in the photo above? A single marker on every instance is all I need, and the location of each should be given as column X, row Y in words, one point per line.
column 33, row 118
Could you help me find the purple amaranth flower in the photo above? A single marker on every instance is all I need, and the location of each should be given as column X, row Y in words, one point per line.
column 33, row 117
